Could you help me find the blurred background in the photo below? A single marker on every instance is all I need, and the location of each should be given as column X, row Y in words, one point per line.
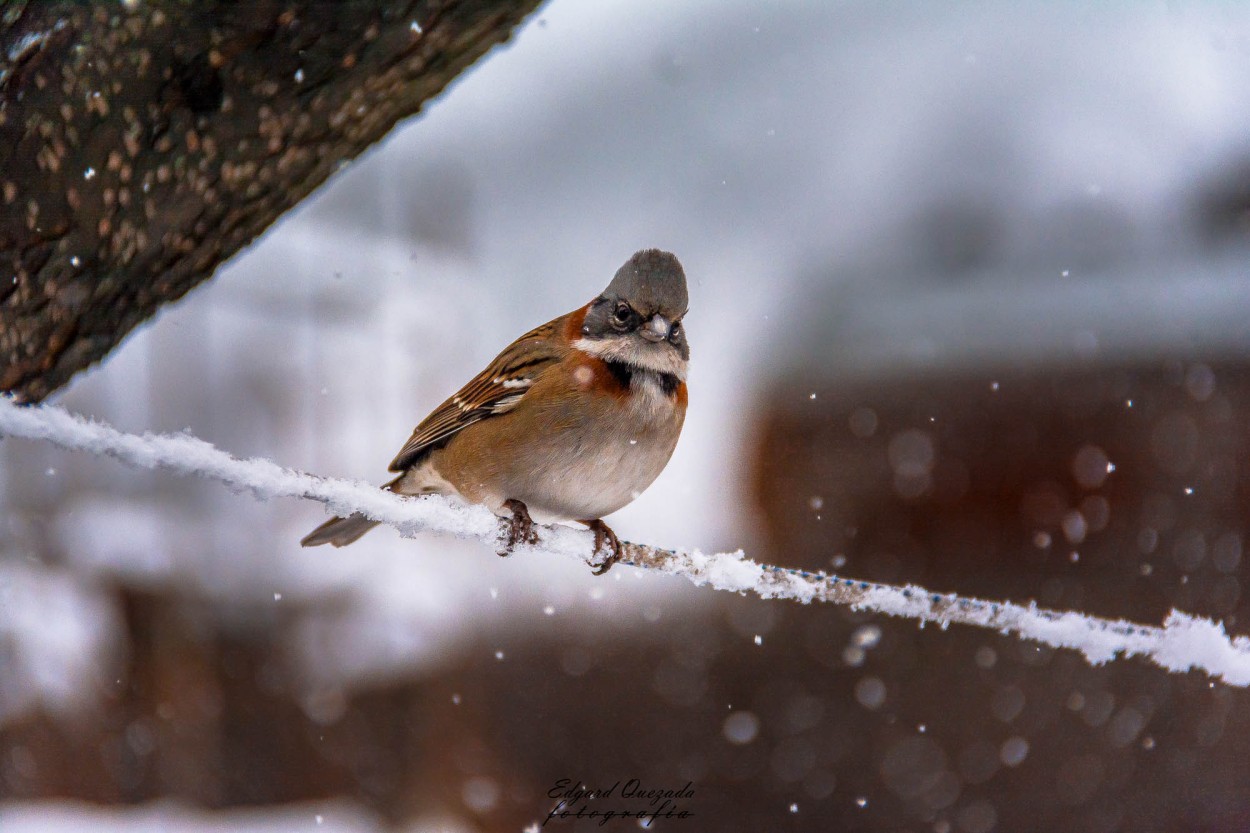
column 968, row 308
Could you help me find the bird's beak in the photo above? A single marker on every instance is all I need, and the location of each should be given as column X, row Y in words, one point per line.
column 657, row 329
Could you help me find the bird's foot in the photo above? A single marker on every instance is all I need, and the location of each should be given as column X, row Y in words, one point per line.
column 519, row 530
column 605, row 535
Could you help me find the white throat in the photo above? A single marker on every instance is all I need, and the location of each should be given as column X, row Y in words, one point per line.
column 657, row 358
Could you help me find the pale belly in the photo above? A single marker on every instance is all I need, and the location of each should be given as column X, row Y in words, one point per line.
column 592, row 482
column 588, row 469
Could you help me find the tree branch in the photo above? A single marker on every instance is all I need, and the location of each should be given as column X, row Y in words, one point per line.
column 1184, row 643
column 144, row 142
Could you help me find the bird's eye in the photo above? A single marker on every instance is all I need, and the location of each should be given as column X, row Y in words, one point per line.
column 674, row 332
column 623, row 316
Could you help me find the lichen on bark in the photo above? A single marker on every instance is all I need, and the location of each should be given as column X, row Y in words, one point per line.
column 142, row 143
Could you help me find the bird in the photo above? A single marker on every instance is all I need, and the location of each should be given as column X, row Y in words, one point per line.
column 570, row 422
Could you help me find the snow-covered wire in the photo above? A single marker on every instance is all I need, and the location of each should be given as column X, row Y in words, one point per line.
column 1183, row 643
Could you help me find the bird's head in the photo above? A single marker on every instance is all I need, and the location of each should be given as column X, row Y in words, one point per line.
column 638, row 318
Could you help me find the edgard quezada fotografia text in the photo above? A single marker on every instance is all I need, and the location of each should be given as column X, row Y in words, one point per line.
column 631, row 799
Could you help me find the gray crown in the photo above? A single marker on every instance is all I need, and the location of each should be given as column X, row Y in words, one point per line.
column 651, row 281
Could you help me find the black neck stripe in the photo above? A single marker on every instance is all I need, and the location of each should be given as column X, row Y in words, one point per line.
column 624, row 373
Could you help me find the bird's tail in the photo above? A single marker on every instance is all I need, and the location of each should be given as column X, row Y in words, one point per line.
column 339, row 531
column 343, row 531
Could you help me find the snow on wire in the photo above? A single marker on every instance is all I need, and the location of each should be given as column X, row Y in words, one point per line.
column 1183, row 643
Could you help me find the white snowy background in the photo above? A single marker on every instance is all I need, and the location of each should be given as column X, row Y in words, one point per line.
column 796, row 158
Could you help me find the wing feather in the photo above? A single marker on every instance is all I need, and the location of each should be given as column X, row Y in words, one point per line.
column 496, row 390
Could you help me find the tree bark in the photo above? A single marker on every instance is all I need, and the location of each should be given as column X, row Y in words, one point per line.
column 144, row 142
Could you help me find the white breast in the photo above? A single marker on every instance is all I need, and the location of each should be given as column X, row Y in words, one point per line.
column 597, row 460
column 649, row 405
column 610, row 459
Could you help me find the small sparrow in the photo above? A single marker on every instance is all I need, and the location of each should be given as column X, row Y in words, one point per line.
column 569, row 423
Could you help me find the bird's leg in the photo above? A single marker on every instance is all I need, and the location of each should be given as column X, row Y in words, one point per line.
column 520, row 528
column 605, row 535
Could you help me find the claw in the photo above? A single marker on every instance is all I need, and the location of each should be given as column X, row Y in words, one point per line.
column 605, row 535
column 520, row 528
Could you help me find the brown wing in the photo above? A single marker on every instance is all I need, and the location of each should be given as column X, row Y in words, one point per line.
column 496, row 390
